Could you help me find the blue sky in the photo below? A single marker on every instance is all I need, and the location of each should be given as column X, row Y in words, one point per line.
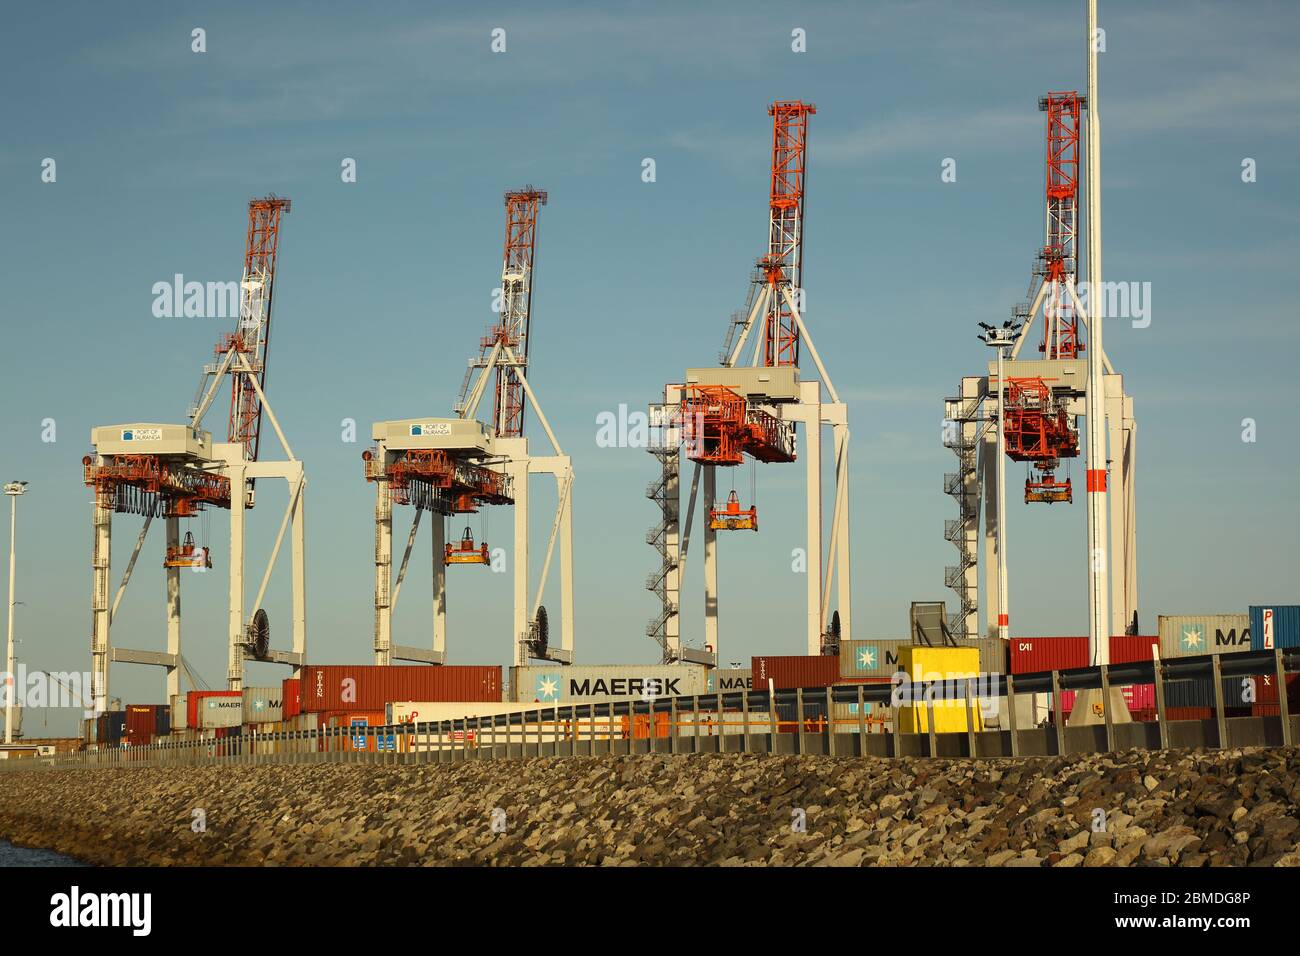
column 385, row 283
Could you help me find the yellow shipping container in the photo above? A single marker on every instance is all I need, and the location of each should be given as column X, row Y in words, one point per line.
column 924, row 664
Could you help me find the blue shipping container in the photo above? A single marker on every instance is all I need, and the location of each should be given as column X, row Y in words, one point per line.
column 1274, row 625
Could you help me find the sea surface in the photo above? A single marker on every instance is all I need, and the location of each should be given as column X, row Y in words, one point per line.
column 11, row 855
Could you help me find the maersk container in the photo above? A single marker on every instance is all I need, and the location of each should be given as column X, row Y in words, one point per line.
column 263, row 705
column 1193, row 635
column 224, row 711
column 727, row 680
column 870, row 658
column 600, row 682
column 195, row 698
column 1274, row 625
column 369, row 687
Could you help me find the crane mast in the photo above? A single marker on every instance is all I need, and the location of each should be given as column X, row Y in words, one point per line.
column 254, row 333
column 508, row 398
column 782, row 267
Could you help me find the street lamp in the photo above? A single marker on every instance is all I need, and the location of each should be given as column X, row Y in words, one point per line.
column 13, row 489
column 1002, row 339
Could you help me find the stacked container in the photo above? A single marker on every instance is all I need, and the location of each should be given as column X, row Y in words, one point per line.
column 1193, row 635
column 214, row 709
column 603, row 682
column 291, row 694
column 145, row 722
column 368, row 687
column 727, row 680
column 865, row 660
column 1274, row 625
column 263, row 705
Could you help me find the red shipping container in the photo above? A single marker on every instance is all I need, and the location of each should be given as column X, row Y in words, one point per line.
column 140, row 719
column 790, row 672
column 368, row 687
column 1266, row 690
column 1129, row 649
column 292, row 689
column 1140, row 697
column 192, row 702
column 1032, row 655
column 1188, row 713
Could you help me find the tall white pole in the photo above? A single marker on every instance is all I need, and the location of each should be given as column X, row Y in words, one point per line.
column 1004, row 616
column 11, row 677
column 1098, row 597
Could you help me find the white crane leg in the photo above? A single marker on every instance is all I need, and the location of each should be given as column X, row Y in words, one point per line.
column 235, row 623
column 298, row 551
column 438, row 532
column 710, row 563
column 173, row 612
column 99, row 570
column 383, row 574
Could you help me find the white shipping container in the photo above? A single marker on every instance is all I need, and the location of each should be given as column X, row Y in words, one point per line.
column 180, row 715
column 218, row 712
column 1191, row 635
column 263, row 705
column 602, row 682
column 413, row 712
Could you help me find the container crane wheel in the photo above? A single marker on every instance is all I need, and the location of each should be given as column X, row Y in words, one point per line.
column 259, row 634
column 541, row 632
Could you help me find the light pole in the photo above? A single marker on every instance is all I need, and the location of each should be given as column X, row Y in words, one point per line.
column 1002, row 339
column 13, row 489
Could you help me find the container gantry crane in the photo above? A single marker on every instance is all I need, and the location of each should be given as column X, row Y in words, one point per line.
column 1045, row 397
column 719, row 416
column 176, row 471
column 454, row 466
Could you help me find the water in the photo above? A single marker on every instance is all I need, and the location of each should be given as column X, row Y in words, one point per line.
column 11, row 855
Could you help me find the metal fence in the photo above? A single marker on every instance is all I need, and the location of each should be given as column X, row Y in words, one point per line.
column 843, row 720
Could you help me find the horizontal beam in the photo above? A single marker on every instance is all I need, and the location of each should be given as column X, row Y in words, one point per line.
column 122, row 655
column 405, row 652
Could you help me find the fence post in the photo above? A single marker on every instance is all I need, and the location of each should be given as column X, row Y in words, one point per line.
column 1106, row 709
column 1057, row 718
column 934, row 733
column 771, row 716
column 830, row 722
column 1011, row 715
column 1283, row 706
column 672, row 724
column 798, row 718
column 971, row 739
column 862, row 724
column 1217, row 670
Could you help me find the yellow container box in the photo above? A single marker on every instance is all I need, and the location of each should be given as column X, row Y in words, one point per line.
column 948, row 664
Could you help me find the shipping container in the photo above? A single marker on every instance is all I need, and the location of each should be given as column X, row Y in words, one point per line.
column 110, row 727
column 1192, row 635
column 786, row 673
column 925, row 664
column 1274, row 625
column 728, row 679
column 1032, row 655
column 195, row 697
column 263, row 705
column 1131, row 649
column 219, row 711
column 597, row 682
column 1266, row 689
column 146, row 722
column 1188, row 713
column 369, row 687
column 358, row 739
column 291, row 693
column 878, row 658
column 419, row 712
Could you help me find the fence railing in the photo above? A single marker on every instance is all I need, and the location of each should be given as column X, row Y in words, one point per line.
column 966, row 715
